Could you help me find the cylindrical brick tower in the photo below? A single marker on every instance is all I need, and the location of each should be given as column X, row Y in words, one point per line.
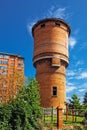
column 51, row 59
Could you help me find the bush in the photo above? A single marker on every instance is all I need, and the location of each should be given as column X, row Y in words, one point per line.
column 24, row 111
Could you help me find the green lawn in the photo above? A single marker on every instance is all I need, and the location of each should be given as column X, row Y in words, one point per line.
column 49, row 121
column 70, row 124
column 77, row 119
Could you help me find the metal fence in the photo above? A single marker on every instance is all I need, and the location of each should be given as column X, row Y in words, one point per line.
column 50, row 116
column 73, row 115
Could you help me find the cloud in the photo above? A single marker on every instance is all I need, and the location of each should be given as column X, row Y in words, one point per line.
column 67, row 98
column 81, row 99
column 79, row 63
column 84, row 85
column 58, row 13
column 83, row 75
column 72, row 42
column 83, row 46
column 71, row 73
column 53, row 12
column 76, row 32
column 69, row 84
column 30, row 25
column 81, row 90
column 70, row 88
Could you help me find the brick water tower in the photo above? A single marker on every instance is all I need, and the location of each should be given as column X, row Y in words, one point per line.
column 51, row 60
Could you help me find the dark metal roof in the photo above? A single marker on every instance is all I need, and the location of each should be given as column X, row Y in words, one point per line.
column 50, row 19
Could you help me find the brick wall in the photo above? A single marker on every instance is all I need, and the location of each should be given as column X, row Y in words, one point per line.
column 51, row 60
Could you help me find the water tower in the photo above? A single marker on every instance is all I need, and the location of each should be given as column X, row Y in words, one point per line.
column 51, row 60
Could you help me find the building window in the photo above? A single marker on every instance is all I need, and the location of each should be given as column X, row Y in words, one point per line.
column 12, row 64
column 57, row 23
column 1, row 56
column 19, row 70
column 42, row 25
column 5, row 56
column 54, row 91
column 3, row 67
column 20, row 64
column 20, row 60
column 5, row 73
column 4, row 85
column 12, row 58
column 11, row 69
column 11, row 75
column 3, row 62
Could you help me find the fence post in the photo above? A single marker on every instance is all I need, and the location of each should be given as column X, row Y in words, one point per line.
column 59, row 118
column 72, row 115
column 52, row 115
column 44, row 115
column 66, row 111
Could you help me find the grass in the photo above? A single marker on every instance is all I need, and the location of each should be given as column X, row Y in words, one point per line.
column 73, row 120
column 76, row 123
column 72, row 123
column 49, row 121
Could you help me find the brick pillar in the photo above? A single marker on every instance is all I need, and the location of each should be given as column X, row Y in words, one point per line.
column 66, row 111
column 59, row 118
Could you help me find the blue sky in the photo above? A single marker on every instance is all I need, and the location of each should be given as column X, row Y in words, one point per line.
column 16, row 20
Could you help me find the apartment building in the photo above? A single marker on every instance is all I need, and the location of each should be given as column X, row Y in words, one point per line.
column 11, row 75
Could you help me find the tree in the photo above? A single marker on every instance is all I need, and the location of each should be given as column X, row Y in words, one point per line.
column 24, row 111
column 10, row 85
column 74, row 102
column 5, row 115
column 27, row 108
column 85, row 100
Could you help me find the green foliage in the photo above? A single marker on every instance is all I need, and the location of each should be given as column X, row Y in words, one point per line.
column 5, row 114
column 24, row 111
column 85, row 106
column 85, row 100
column 85, row 115
column 74, row 102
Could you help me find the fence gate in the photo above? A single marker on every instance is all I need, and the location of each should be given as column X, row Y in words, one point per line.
column 50, row 116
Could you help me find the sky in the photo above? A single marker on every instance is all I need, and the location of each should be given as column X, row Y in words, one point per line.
column 16, row 20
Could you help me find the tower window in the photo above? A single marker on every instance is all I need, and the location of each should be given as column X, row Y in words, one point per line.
column 54, row 91
column 42, row 25
column 57, row 23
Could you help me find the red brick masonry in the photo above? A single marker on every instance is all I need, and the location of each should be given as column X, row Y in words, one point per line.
column 51, row 59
